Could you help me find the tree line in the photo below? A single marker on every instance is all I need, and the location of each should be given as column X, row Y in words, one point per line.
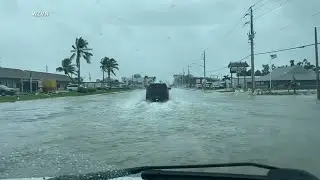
column 266, row 68
column 80, row 50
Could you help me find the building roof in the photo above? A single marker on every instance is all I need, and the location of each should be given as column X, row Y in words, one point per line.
column 287, row 74
column 18, row 74
column 45, row 75
column 12, row 73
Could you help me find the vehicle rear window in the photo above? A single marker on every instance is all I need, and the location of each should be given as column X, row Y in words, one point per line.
column 157, row 86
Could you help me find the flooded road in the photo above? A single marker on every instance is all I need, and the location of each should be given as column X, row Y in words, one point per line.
column 93, row 133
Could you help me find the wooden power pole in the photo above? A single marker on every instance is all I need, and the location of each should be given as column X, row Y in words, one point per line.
column 251, row 37
column 317, row 62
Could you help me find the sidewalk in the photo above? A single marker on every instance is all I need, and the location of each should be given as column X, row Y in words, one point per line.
column 286, row 92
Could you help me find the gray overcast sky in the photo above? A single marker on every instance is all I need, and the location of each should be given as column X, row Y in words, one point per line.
column 156, row 37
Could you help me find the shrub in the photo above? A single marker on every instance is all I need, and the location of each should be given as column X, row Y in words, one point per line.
column 91, row 90
column 82, row 90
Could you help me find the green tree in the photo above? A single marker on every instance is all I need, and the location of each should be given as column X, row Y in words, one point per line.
column 68, row 68
column 306, row 64
column 226, row 78
column 248, row 73
column 258, row 73
column 80, row 49
column 103, row 67
column 265, row 69
column 78, row 80
column 110, row 65
column 291, row 62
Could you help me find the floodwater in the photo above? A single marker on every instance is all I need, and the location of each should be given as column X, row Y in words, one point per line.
column 94, row 133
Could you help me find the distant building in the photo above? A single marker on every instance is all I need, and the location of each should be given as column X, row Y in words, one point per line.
column 20, row 79
column 147, row 80
column 241, row 81
column 281, row 77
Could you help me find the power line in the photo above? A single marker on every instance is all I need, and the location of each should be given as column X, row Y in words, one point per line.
column 234, row 27
column 279, row 50
column 257, row 3
column 218, row 69
column 261, row 5
column 316, row 13
column 227, row 66
column 272, row 9
column 269, row 52
column 287, row 49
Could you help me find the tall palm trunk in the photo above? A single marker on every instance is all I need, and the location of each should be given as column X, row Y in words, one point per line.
column 78, row 66
column 109, row 82
column 103, row 77
column 70, row 76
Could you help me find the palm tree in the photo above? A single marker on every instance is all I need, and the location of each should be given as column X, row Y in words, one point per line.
column 80, row 49
column 110, row 65
column 67, row 67
column 103, row 66
column 226, row 78
column 291, row 62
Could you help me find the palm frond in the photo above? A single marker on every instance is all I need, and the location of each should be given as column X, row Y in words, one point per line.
column 76, row 43
column 59, row 69
column 87, row 58
column 86, row 49
column 72, row 56
column 113, row 72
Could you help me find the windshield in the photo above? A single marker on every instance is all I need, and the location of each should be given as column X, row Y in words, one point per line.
column 242, row 77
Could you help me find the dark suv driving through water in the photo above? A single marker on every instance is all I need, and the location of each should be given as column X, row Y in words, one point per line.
column 157, row 92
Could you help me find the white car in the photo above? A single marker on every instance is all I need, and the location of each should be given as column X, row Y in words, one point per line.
column 73, row 87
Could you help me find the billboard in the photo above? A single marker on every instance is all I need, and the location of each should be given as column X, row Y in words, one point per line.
column 238, row 69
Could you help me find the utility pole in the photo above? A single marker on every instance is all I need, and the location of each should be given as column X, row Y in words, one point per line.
column 204, row 64
column 251, row 37
column 317, row 62
column 188, row 75
column 46, row 68
column 204, row 69
column 182, row 80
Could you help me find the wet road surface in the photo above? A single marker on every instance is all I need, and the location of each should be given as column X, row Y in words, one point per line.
column 93, row 133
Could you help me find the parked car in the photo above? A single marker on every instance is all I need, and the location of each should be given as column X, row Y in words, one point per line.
column 4, row 90
column 104, row 87
column 74, row 87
